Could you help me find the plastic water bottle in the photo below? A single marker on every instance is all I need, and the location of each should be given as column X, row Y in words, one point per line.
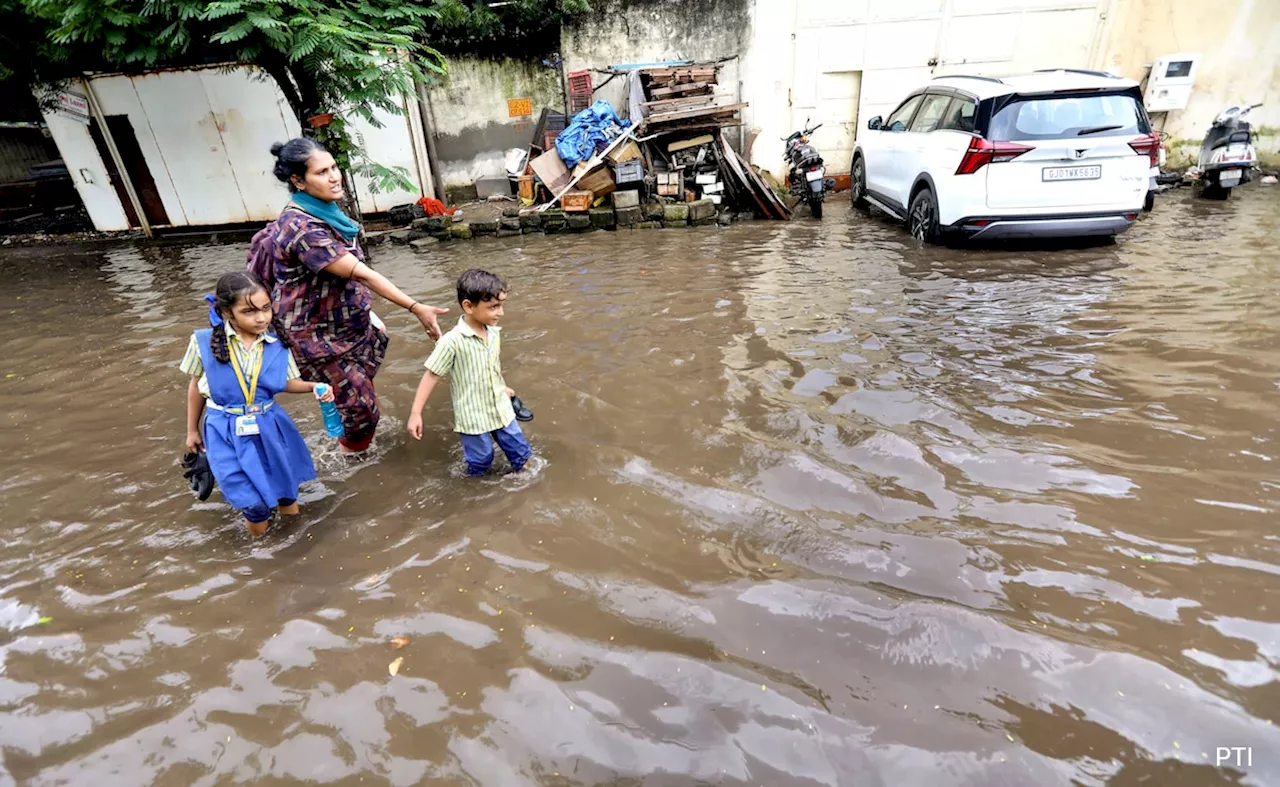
column 329, row 410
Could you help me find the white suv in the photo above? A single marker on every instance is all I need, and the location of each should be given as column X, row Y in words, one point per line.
column 1050, row 154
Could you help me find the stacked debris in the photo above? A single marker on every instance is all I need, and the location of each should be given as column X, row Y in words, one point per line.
column 672, row 150
column 682, row 132
column 683, row 97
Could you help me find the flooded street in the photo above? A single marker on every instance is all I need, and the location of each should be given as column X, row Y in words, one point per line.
column 814, row 506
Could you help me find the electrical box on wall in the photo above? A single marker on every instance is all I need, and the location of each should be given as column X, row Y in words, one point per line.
column 1169, row 85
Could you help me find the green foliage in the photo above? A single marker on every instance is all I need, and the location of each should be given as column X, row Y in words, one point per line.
column 347, row 57
column 511, row 28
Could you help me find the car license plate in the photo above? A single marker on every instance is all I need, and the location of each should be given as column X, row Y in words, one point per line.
column 1071, row 173
column 815, row 174
column 1229, row 177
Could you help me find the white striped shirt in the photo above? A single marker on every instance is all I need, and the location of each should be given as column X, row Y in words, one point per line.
column 474, row 368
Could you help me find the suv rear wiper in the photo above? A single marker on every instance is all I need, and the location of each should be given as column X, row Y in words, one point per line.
column 1096, row 130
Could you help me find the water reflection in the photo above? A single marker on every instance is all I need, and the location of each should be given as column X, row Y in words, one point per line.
column 815, row 506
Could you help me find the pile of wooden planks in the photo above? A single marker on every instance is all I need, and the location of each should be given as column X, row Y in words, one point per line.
column 683, row 98
column 746, row 187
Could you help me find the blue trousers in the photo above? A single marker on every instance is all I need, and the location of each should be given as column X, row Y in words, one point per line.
column 260, row 513
column 478, row 448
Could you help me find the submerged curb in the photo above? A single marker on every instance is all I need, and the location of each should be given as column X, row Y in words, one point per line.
column 423, row 234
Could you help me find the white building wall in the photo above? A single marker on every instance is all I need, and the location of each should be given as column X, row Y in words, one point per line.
column 841, row 62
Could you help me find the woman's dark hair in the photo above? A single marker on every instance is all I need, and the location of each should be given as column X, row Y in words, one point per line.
column 230, row 289
column 479, row 286
column 292, row 158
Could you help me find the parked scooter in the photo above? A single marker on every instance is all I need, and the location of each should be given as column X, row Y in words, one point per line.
column 808, row 176
column 1226, row 155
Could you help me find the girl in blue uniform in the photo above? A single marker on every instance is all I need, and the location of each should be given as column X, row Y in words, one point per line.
column 237, row 367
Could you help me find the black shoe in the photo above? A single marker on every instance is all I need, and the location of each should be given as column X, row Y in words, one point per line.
column 198, row 474
column 522, row 413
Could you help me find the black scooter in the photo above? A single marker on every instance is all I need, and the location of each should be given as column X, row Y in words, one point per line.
column 807, row 177
column 1227, row 155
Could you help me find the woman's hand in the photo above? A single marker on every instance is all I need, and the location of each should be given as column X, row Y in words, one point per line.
column 415, row 426
column 510, row 392
column 195, row 443
column 348, row 267
column 328, row 394
column 427, row 315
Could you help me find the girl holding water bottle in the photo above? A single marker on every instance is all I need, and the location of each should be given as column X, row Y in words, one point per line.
column 237, row 366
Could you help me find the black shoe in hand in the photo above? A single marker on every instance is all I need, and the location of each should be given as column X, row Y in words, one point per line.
column 198, row 474
column 522, row 413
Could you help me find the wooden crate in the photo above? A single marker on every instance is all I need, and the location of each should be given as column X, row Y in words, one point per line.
column 577, row 201
column 526, row 188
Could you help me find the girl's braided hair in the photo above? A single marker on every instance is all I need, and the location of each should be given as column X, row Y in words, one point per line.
column 230, row 289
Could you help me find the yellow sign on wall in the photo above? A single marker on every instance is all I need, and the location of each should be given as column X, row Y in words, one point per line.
column 519, row 107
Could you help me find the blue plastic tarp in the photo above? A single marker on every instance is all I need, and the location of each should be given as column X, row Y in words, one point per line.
column 591, row 130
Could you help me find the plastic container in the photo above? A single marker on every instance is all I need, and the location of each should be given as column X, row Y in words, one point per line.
column 630, row 171
column 579, row 83
column 329, row 410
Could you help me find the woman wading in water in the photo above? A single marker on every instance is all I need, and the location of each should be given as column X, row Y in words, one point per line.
column 322, row 290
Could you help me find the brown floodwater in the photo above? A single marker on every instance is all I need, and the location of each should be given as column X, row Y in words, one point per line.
column 812, row 506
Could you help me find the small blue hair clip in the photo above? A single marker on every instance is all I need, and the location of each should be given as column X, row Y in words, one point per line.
column 215, row 319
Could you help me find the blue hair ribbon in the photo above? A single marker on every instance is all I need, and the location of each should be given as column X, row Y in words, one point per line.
column 215, row 319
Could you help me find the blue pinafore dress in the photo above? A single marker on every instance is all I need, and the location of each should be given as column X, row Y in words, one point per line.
column 254, row 472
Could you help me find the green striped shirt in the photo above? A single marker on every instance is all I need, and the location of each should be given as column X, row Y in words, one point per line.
column 474, row 368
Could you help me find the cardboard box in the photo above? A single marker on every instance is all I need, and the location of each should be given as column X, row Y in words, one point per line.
column 670, row 184
column 625, row 152
column 552, row 170
column 599, row 182
column 577, row 201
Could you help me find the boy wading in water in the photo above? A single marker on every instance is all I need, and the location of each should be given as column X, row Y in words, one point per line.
column 470, row 355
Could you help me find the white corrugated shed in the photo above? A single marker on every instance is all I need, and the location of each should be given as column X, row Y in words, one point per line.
column 203, row 138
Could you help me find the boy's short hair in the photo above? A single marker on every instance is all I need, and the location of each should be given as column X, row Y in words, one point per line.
column 478, row 286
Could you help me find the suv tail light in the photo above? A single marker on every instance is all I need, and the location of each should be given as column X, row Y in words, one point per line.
column 982, row 152
column 1148, row 145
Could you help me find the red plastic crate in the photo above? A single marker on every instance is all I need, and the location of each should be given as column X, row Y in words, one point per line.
column 579, row 83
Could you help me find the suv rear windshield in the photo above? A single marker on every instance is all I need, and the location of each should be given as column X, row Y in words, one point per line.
column 1061, row 117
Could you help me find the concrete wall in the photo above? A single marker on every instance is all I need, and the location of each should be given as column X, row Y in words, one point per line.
column 648, row 31
column 469, row 107
column 1239, row 41
column 472, row 124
